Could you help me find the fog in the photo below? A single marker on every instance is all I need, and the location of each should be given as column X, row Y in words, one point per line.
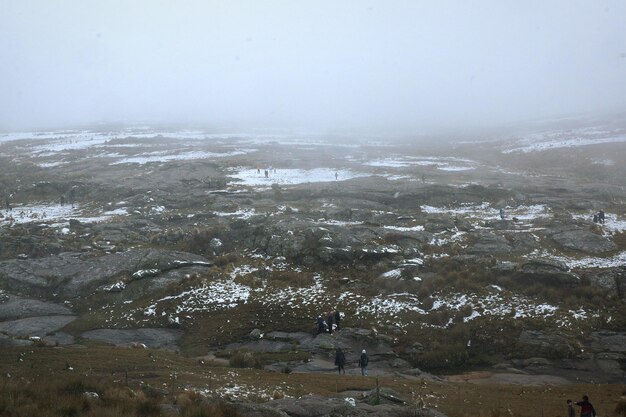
column 353, row 64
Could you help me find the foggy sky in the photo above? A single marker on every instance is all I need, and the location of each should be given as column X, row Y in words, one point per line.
column 363, row 64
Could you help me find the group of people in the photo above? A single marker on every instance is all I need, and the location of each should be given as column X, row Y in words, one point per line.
column 599, row 217
column 266, row 172
column 586, row 408
column 333, row 318
column 340, row 361
column 331, row 324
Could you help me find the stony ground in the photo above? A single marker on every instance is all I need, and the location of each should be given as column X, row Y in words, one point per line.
column 443, row 258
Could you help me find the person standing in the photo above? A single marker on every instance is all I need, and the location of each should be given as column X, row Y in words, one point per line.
column 340, row 360
column 586, row 408
column 320, row 325
column 571, row 412
column 364, row 360
column 330, row 321
column 337, row 319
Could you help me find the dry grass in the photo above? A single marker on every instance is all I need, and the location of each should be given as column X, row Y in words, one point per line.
column 40, row 386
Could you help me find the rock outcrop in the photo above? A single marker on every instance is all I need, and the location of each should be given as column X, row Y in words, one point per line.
column 584, row 241
column 73, row 274
column 547, row 271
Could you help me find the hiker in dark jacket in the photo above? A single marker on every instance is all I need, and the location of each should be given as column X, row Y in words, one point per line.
column 363, row 361
column 320, row 325
column 586, row 409
column 340, row 360
column 337, row 318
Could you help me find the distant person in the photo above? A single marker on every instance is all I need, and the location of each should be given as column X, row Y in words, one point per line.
column 330, row 321
column 62, row 199
column 340, row 361
column 72, row 196
column 364, row 360
column 267, row 174
column 586, row 408
column 336, row 175
column 320, row 325
column 601, row 216
column 337, row 318
column 571, row 412
column 258, row 170
column 502, row 214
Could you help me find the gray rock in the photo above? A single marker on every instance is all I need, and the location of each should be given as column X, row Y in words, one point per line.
column 611, row 279
column 35, row 326
column 152, row 338
column 535, row 362
column 258, row 410
column 255, row 334
column 489, row 244
column 605, row 341
column 322, row 343
column 504, row 267
column 399, row 363
column 15, row 307
column 7, row 341
column 59, row 339
column 289, row 337
column 69, row 274
column 584, row 241
column 548, row 345
column 547, row 271
column 262, row 346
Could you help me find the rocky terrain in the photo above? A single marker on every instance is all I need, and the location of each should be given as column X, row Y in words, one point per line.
column 449, row 260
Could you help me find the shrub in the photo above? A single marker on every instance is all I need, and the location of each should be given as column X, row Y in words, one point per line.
column 209, row 410
column 148, row 408
column 244, row 360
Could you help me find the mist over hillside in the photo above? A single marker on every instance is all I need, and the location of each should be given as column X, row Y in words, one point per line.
column 215, row 208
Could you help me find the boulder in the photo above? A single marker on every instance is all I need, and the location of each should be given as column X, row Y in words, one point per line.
column 288, row 336
column 611, row 279
column 547, row 271
column 59, row 339
column 35, row 326
column 17, row 307
column 255, row 334
column 7, row 341
column 584, row 241
column 71, row 274
column 535, row 343
column 262, row 346
column 152, row 338
column 489, row 244
column 606, row 341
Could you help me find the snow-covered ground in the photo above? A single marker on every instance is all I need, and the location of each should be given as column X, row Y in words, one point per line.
column 441, row 163
column 612, row 222
column 163, row 156
column 592, row 261
column 256, row 178
column 558, row 139
column 56, row 214
column 398, row 309
column 485, row 211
